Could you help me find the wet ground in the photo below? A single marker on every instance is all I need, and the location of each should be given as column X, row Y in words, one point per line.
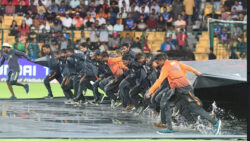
column 54, row 119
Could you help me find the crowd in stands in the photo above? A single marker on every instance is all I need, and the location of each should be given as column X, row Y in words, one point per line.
column 105, row 19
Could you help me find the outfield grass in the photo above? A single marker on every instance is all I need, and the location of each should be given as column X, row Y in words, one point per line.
column 37, row 90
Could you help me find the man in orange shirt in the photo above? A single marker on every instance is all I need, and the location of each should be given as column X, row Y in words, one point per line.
column 117, row 67
column 181, row 90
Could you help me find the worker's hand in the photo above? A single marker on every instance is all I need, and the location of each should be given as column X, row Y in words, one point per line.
column 148, row 95
column 199, row 74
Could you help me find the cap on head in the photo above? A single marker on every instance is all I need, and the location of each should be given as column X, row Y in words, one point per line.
column 6, row 45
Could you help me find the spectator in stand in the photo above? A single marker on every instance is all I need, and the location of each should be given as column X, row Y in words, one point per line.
column 167, row 45
column 28, row 20
column 146, row 47
column 224, row 14
column 177, row 8
column 13, row 28
column 180, row 23
column 189, row 9
column 63, row 43
column 236, row 31
column 32, row 34
column 101, row 13
column 114, row 42
column 181, row 39
column 136, row 45
column 67, row 21
column 161, row 24
column 82, row 39
column 36, row 22
column 10, row 9
column 141, row 24
column 122, row 14
column 130, row 23
column 104, row 34
column 41, row 10
column 105, row 6
column 126, row 40
column 217, row 29
column 151, row 23
column 46, row 3
column 166, row 15
column 237, row 6
column 112, row 17
column 134, row 14
column 88, row 20
column 126, row 6
column 18, row 45
column 93, row 35
column 171, row 33
column 50, row 15
column 54, row 7
column 118, row 26
column 62, row 8
column 33, row 49
column 45, row 26
column 24, row 29
column 234, row 14
column 2, row 9
column 101, row 20
column 74, row 3
column 32, row 8
column 109, row 27
column 43, row 36
column 92, row 12
column 78, row 21
column 54, row 45
column 156, row 7
column 21, row 9
column 154, row 14
column 224, row 37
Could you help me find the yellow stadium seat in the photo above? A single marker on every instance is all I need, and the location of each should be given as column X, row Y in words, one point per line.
column 208, row 9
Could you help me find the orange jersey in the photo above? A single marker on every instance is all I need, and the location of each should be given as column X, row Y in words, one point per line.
column 176, row 74
column 116, row 65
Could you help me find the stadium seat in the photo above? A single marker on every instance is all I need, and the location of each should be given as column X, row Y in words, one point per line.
column 208, row 9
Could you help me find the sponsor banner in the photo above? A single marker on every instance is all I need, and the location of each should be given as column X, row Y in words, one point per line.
column 29, row 71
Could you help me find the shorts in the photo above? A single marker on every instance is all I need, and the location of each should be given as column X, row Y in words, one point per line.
column 12, row 77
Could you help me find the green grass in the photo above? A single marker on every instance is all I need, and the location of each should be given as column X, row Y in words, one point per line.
column 37, row 90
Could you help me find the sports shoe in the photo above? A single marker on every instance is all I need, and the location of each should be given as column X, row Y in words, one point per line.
column 165, row 131
column 139, row 110
column 118, row 104
column 27, row 88
column 48, row 97
column 129, row 107
column 13, row 98
column 70, row 101
column 101, row 98
column 217, row 127
column 159, row 125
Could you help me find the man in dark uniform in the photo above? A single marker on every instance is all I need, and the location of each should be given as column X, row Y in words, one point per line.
column 88, row 73
column 11, row 56
column 54, row 66
column 103, row 73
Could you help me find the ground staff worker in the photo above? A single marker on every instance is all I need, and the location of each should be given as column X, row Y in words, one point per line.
column 175, row 72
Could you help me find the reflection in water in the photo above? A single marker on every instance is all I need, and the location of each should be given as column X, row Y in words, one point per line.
column 55, row 118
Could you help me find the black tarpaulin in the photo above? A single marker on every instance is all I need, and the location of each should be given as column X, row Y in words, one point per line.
column 217, row 73
column 42, row 61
